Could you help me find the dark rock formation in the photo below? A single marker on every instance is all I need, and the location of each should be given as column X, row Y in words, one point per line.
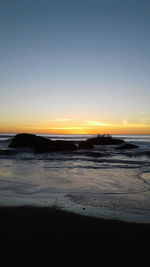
column 30, row 140
column 65, row 145
column 40, row 144
column 85, row 145
column 127, row 146
column 105, row 140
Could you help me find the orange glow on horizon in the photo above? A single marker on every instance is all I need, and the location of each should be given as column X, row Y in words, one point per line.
column 74, row 126
column 78, row 130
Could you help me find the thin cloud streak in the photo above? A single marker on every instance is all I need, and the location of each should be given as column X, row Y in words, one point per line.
column 63, row 119
column 50, row 128
column 98, row 123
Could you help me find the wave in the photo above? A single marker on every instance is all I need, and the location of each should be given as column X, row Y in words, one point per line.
column 5, row 142
column 7, row 152
column 71, row 161
column 6, row 135
column 137, row 153
column 11, row 152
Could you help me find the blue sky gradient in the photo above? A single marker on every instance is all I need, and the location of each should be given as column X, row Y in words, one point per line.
column 88, row 60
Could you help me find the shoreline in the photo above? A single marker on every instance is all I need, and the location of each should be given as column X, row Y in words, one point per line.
column 64, row 202
column 40, row 236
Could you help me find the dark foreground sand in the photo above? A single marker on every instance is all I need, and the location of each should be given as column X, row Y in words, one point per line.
column 50, row 237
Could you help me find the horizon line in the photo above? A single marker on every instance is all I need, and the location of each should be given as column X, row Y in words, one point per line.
column 73, row 133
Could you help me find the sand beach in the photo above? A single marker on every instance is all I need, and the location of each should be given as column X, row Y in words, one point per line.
column 33, row 236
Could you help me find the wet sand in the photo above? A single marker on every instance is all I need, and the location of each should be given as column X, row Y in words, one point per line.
column 33, row 236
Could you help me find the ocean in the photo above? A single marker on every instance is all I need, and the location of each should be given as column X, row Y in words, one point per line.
column 103, row 182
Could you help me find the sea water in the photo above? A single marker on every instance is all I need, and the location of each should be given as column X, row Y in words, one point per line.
column 102, row 182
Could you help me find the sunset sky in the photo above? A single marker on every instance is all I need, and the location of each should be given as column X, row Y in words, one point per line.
column 75, row 66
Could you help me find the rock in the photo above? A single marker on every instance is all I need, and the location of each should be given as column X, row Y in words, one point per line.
column 41, row 144
column 85, row 145
column 65, row 145
column 105, row 140
column 29, row 140
column 127, row 146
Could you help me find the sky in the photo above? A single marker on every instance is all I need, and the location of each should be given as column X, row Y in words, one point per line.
column 75, row 66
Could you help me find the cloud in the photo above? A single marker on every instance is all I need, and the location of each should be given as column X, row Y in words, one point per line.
column 49, row 128
column 143, row 112
column 66, row 128
column 125, row 122
column 98, row 123
column 63, row 119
